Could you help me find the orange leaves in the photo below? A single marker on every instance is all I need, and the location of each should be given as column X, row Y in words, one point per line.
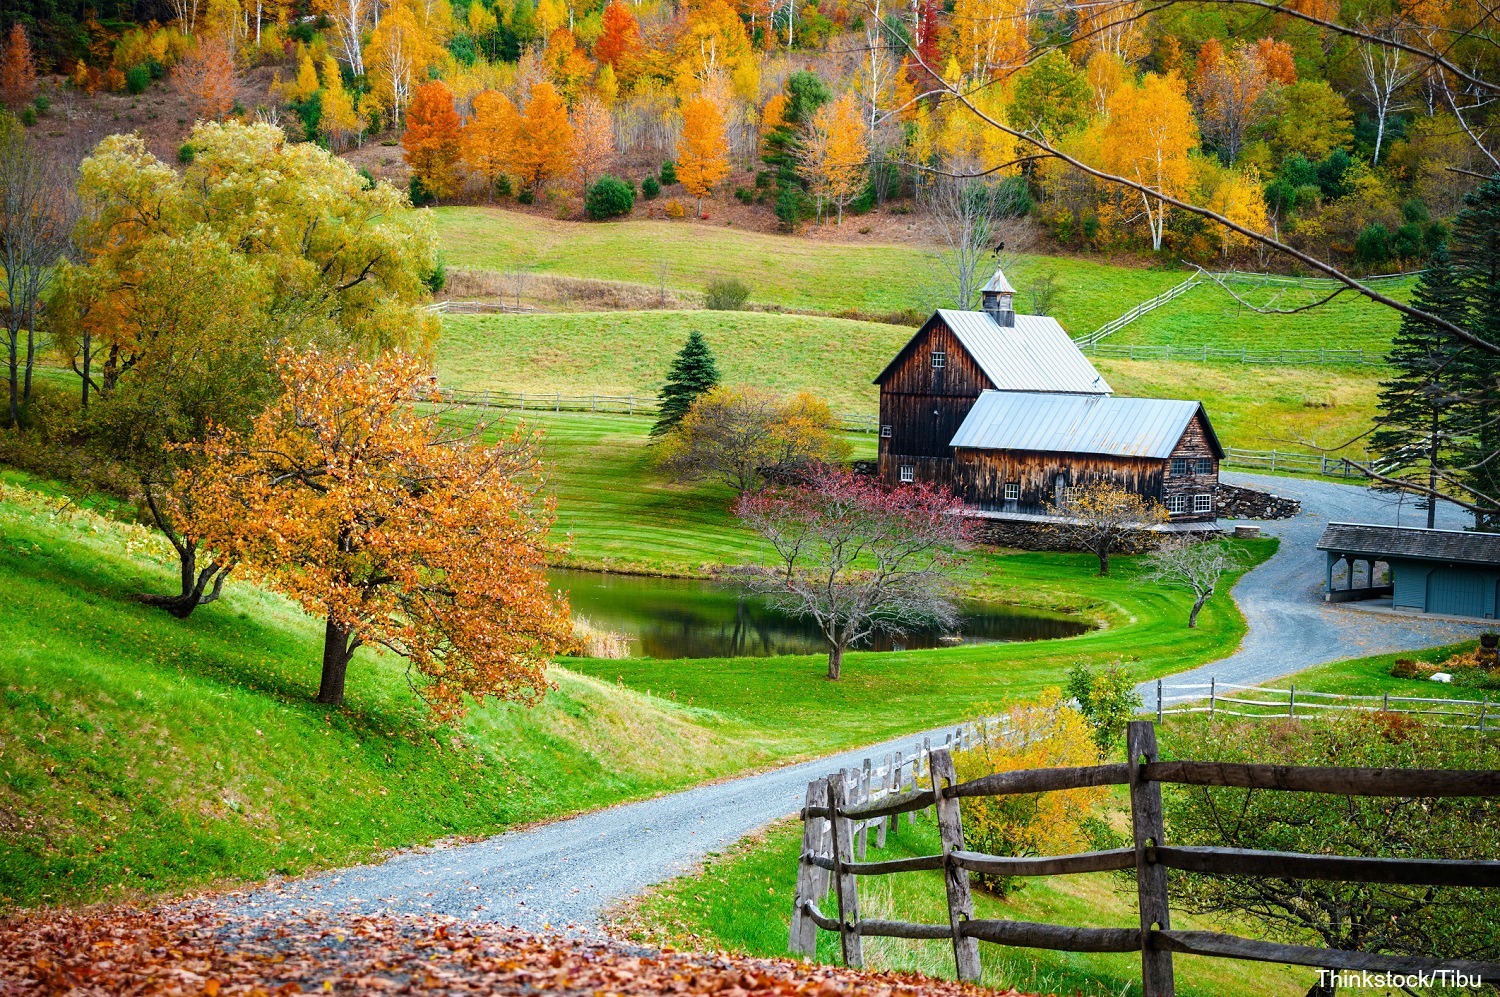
column 431, row 139
column 354, row 501
column 702, row 151
column 621, row 38
column 17, row 68
column 593, row 146
column 489, row 136
column 542, row 138
column 205, row 79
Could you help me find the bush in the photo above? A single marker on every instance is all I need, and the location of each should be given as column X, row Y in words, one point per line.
column 668, row 173
column 186, row 153
column 743, row 196
column 1407, row 243
column 675, row 209
column 28, row 115
column 43, row 103
column 367, row 177
column 137, row 78
column 1042, row 734
column 526, row 197
column 1107, row 699
column 1373, row 246
column 788, row 208
column 650, row 187
column 420, row 195
column 608, row 197
column 437, row 278
column 726, row 294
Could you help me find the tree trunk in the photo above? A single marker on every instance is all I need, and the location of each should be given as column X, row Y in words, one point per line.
column 15, row 407
column 1197, row 605
column 338, row 648
column 198, row 587
column 1103, row 554
column 835, row 661
column 1320, row 989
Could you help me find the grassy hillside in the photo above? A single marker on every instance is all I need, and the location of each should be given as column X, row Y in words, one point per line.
column 1210, row 315
column 789, row 271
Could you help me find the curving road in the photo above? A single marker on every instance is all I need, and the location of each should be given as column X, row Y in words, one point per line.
column 564, row 874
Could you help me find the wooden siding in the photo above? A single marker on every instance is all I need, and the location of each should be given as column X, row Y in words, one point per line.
column 1193, row 446
column 924, row 407
column 983, row 474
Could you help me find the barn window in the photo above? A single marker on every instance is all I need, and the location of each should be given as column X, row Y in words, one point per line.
column 1205, row 465
column 908, row 473
column 885, row 431
column 1203, row 503
column 939, row 359
column 1179, row 465
column 1012, row 491
column 1176, row 503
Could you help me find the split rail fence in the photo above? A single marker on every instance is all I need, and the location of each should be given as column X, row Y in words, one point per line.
column 1290, row 460
column 1206, row 353
column 828, row 861
column 1225, row 699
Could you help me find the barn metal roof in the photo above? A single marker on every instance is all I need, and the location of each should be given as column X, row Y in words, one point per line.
column 1087, row 424
column 1035, row 354
column 1414, row 542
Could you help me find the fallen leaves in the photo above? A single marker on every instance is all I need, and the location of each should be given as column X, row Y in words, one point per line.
column 203, row 948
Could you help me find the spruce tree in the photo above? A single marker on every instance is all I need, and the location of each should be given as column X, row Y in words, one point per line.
column 693, row 372
column 1476, row 257
column 1413, row 436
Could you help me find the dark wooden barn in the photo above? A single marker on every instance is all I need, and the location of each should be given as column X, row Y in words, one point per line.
column 1009, row 413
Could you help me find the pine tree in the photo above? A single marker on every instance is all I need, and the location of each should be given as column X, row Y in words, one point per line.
column 1476, row 256
column 1414, row 436
column 693, row 372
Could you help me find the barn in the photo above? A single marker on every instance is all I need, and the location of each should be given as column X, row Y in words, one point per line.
column 1453, row 572
column 1007, row 411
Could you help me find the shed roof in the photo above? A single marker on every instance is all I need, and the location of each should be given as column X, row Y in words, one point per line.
column 1035, row 354
column 1087, row 424
column 998, row 284
column 1413, row 542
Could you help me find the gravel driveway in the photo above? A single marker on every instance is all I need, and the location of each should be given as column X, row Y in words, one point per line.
column 565, row 873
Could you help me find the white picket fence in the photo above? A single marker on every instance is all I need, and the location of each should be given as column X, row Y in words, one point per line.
column 1226, row 699
column 1290, row 460
column 1150, row 305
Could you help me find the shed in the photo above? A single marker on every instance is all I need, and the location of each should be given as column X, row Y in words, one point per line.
column 1453, row 572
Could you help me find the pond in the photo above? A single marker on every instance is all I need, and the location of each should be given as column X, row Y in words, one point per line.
column 687, row 618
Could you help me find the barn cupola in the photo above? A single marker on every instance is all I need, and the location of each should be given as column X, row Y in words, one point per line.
column 998, row 297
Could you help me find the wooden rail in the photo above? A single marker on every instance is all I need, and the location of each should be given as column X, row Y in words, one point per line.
column 1256, row 702
column 828, row 863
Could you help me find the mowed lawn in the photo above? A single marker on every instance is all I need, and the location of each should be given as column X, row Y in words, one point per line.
column 1209, row 315
column 781, row 270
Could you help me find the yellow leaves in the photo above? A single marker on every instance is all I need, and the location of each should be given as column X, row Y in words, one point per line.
column 592, row 147
column 1148, row 138
column 489, row 135
column 834, row 151
column 989, row 37
column 702, row 151
column 1238, row 197
column 338, row 120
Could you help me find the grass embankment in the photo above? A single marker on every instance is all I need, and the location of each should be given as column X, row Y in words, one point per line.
column 1208, row 315
column 781, row 270
column 741, row 901
column 142, row 754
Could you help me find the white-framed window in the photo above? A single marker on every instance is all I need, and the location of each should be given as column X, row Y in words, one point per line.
column 1176, row 503
column 939, row 359
column 1179, row 465
column 908, row 473
column 1205, row 465
column 1012, row 491
column 885, row 431
column 1203, row 503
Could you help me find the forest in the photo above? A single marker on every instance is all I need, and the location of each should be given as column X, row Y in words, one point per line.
column 1312, row 123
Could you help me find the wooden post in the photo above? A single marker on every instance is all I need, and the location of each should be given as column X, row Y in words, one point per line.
column 843, row 882
column 1291, row 703
column 927, row 764
column 804, row 935
column 1212, row 690
column 955, row 878
column 1483, row 709
column 899, row 764
column 1385, row 703
column 862, row 795
column 1151, row 879
column 886, row 784
column 1159, row 711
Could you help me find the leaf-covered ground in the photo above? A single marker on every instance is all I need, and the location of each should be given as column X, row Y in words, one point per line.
column 199, row 949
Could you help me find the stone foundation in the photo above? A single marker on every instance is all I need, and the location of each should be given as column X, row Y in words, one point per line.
column 1025, row 535
column 1234, row 502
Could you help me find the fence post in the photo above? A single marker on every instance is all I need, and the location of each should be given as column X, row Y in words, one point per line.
column 804, row 940
column 1151, row 879
column 887, row 781
column 1291, row 703
column 862, row 795
column 955, row 878
column 1385, row 703
column 843, row 882
column 1159, row 711
column 1212, row 694
column 1484, row 708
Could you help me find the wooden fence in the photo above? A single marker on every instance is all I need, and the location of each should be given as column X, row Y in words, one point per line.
column 476, row 308
column 828, row 862
column 1208, row 354
column 1149, row 305
column 556, row 401
column 1217, row 698
column 1289, row 460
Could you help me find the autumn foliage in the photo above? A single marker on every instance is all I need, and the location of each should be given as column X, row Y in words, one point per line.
column 621, row 37
column 489, row 136
column 205, row 80
column 702, row 155
column 431, row 139
column 17, row 68
column 543, row 139
column 350, row 498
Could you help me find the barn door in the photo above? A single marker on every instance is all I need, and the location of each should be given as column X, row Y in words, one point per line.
column 1458, row 592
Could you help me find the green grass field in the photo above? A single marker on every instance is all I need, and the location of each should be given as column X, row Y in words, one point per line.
column 781, row 270
column 1209, row 315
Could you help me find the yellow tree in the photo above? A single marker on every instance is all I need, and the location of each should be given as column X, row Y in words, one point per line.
column 402, row 531
column 1239, row 198
column 844, row 150
column 489, row 136
column 306, row 82
column 398, row 51
column 543, row 139
column 593, row 145
column 1148, row 139
column 1112, row 27
column 989, row 37
column 702, row 152
column 338, row 120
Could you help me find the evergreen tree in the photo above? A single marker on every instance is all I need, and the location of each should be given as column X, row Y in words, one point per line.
column 693, row 372
column 1476, row 257
column 1413, row 436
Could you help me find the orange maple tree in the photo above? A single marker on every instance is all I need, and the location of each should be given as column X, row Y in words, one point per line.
column 593, row 145
column 702, row 153
column 620, row 39
column 17, row 68
column 543, row 138
column 431, row 139
column 489, row 136
column 355, row 501
column 205, row 80
column 1276, row 60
